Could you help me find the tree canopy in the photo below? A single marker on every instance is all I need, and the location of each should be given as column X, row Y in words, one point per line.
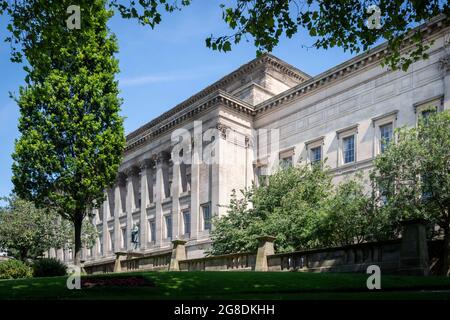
column 302, row 208
column 72, row 137
column 353, row 25
column 413, row 175
column 27, row 232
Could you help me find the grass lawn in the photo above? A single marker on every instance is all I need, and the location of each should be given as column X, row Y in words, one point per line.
column 236, row 285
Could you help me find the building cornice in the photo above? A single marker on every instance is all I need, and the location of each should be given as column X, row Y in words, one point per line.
column 370, row 58
column 217, row 98
column 265, row 60
column 214, row 95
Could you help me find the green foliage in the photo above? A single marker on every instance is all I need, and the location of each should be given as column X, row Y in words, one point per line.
column 293, row 200
column 147, row 12
column 331, row 23
column 15, row 269
column 299, row 206
column 27, row 232
column 49, row 267
column 72, row 137
column 351, row 217
column 413, row 174
column 234, row 232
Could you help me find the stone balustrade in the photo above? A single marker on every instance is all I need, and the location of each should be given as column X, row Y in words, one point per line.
column 229, row 262
column 412, row 255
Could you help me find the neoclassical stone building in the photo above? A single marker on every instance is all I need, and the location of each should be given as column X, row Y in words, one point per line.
column 265, row 114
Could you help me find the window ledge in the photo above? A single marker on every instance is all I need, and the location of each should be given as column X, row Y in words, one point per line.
column 184, row 194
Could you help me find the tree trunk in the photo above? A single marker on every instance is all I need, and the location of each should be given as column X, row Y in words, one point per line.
column 446, row 252
column 78, row 223
column 23, row 254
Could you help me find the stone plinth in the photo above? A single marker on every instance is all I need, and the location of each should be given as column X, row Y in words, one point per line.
column 265, row 248
column 414, row 249
column 120, row 256
column 124, row 255
column 178, row 253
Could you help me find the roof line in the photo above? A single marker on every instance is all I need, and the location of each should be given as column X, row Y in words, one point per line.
column 253, row 64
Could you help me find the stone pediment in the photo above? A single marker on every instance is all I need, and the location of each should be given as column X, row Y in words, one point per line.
column 267, row 71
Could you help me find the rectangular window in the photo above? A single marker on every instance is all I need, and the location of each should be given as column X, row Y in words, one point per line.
column 124, row 237
column 168, row 219
column 426, row 114
column 152, row 230
column 286, row 162
column 187, row 222
column 316, row 154
column 261, row 173
column 206, row 214
column 386, row 133
column 100, row 245
column 286, row 158
column 426, row 108
column 111, row 241
column 169, row 189
column 426, row 187
column 139, row 200
column 383, row 197
column 188, row 182
column 349, row 149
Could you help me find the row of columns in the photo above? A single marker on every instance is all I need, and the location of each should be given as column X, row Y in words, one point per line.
column 128, row 182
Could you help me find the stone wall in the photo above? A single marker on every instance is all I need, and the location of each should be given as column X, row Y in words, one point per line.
column 150, row 262
column 352, row 258
column 410, row 255
column 229, row 262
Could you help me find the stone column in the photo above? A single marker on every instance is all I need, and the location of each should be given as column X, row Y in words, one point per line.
column 445, row 66
column 265, row 248
column 414, row 248
column 177, row 229
column 219, row 166
column 117, row 211
column 161, row 166
column 145, row 180
column 105, row 212
column 197, row 142
column 178, row 253
column 132, row 172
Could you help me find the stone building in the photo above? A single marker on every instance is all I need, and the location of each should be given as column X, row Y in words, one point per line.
column 265, row 114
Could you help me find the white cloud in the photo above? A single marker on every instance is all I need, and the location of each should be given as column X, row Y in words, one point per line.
column 155, row 78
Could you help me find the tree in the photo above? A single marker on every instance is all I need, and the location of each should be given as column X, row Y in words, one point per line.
column 303, row 210
column 353, row 25
column 27, row 232
column 352, row 216
column 235, row 232
column 72, row 136
column 413, row 175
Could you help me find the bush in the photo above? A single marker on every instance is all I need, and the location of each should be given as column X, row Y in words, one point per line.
column 14, row 269
column 49, row 267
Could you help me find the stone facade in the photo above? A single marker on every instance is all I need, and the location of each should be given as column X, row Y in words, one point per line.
column 265, row 113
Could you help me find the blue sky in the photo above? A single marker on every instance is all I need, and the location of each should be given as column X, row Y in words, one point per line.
column 160, row 68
